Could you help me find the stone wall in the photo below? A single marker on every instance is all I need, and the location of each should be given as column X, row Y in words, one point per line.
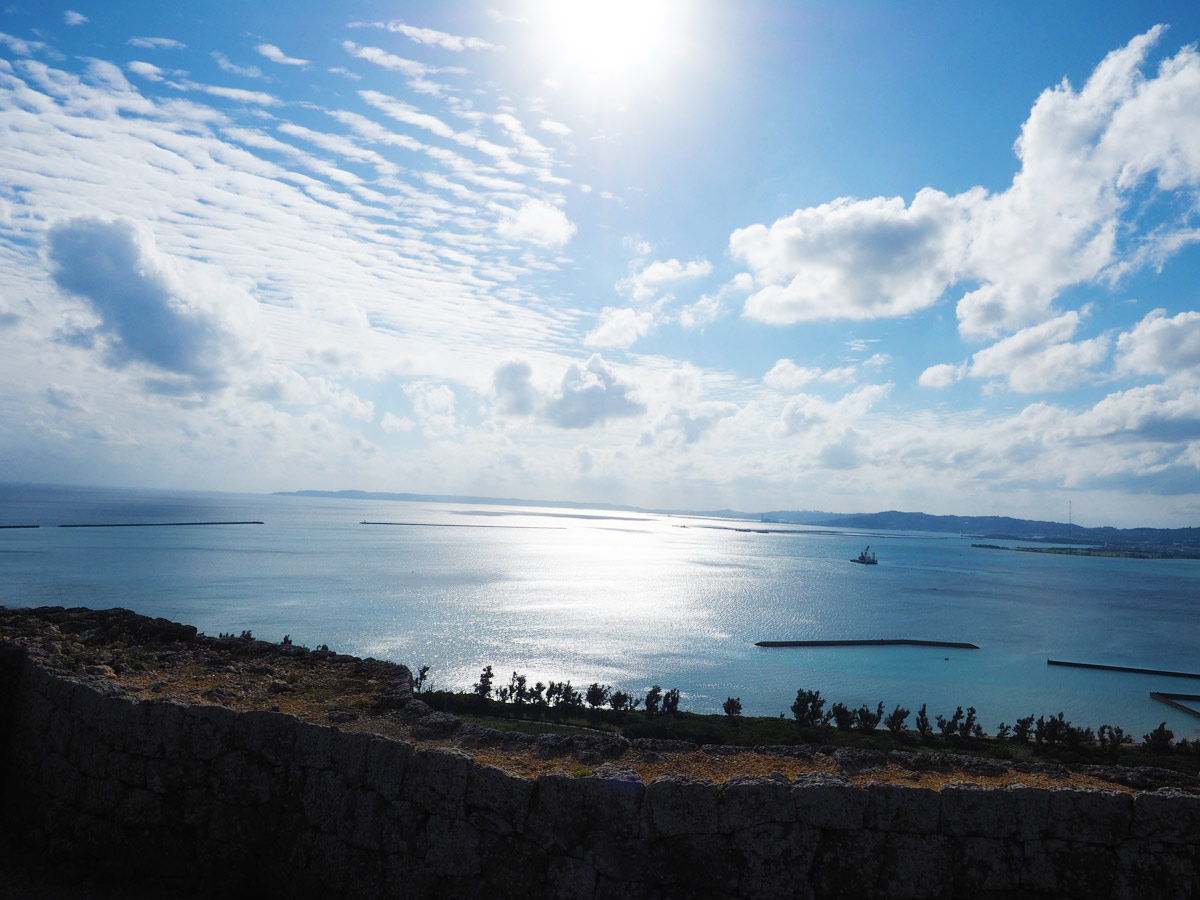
column 260, row 802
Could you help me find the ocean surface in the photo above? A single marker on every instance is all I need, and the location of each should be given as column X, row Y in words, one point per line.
column 628, row 599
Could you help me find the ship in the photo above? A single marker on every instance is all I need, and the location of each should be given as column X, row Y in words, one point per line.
column 867, row 558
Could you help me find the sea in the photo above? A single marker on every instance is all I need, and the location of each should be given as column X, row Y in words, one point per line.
column 628, row 599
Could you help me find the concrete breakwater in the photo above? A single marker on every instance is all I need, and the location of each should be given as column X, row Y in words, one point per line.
column 262, row 802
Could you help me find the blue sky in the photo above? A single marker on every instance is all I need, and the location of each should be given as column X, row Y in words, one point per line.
column 935, row 257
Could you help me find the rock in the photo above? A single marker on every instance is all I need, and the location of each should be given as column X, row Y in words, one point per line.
column 855, row 762
column 828, row 801
column 436, row 725
column 680, row 805
column 475, row 736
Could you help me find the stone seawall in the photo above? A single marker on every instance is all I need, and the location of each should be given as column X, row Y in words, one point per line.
column 261, row 802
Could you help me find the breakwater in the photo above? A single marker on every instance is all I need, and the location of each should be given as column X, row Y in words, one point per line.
column 259, row 803
column 1166, row 673
column 881, row 642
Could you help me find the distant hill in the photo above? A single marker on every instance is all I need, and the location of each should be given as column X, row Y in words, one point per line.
column 992, row 526
column 891, row 520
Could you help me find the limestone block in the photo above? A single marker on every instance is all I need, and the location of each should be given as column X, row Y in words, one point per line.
column 452, row 847
column 693, row 866
column 1088, row 816
column 497, row 802
column 975, row 811
column 828, row 801
column 349, row 754
column 1032, row 810
column 206, row 731
column 848, row 863
column 985, row 865
column 313, row 745
column 1068, row 869
column 1149, row 869
column 915, row 866
column 1167, row 816
column 613, row 802
column 270, row 735
column 163, row 724
column 165, row 776
column 243, row 779
column 323, row 798
column 365, row 823
column 557, row 818
column 906, row 810
column 436, row 781
column 385, row 764
column 569, row 879
column 679, row 805
column 750, row 800
column 772, row 861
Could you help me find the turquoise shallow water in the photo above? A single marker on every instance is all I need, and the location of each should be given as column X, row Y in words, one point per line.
column 627, row 599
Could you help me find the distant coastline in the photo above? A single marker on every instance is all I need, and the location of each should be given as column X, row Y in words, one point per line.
column 1151, row 542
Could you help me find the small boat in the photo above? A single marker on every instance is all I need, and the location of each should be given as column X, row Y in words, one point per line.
column 867, row 558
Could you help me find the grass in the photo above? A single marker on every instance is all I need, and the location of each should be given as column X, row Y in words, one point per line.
column 750, row 731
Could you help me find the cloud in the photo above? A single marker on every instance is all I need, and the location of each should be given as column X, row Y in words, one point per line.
column 18, row 46
column 643, row 285
column 1158, row 345
column 512, row 383
column 620, row 327
column 385, row 59
column 852, row 259
column 70, row 17
column 227, row 66
column 434, row 408
column 590, row 395
column 429, row 36
column 785, row 375
column 143, row 316
column 156, row 43
column 687, row 425
column 275, row 55
column 1041, row 357
column 1090, row 162
column 393, row 424
column 805, row 412
column 942, row 375
column 537, row 222
column 554, row 127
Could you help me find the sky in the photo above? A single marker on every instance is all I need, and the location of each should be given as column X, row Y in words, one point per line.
column 847, row 257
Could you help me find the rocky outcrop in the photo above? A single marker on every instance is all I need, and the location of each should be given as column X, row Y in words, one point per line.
column 262, row 802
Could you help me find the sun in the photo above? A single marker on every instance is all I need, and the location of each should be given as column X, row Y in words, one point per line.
column 609, row 47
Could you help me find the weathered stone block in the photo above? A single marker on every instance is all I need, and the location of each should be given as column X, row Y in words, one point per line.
column 915, row 866
column 1068, row 869
column 557, row 818
column 270, row 735
column 1089, row 816
column 206, row 731
column 613, row 803
column 983, row 812
column 750, row 800
column 677, row 805
column 452, row 847
column 569, row 879
column 1167, row 816
column 848, row 864
column 385, row 764
column 1032, row 811
column 1149, row 869
column 904, row 810
column 242, row 778
column 772, row 861
column 314, row 745
column 828, row 801
column 436, row 781
column 985, row 866
column 497, row 802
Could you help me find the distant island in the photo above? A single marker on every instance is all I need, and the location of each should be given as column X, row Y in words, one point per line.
column 1103, row 541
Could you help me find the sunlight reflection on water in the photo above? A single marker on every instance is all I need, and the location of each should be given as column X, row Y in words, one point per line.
column 630, row 601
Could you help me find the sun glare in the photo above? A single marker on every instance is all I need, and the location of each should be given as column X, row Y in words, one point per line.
column 614, row 47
